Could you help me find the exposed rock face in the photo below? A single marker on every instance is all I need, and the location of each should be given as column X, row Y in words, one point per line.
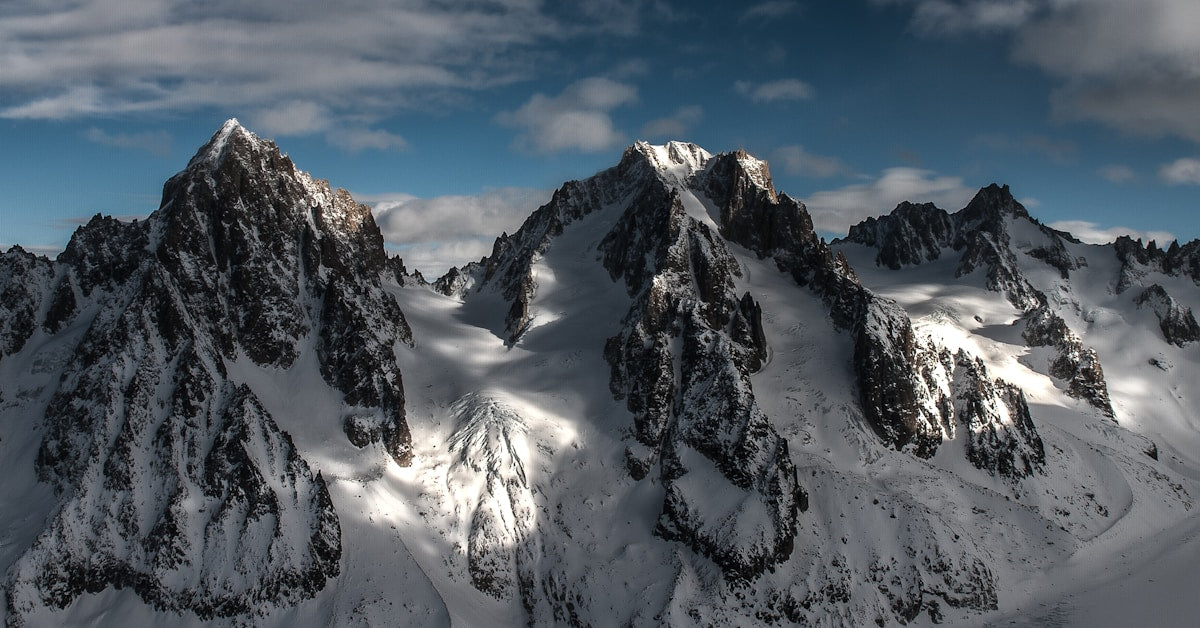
column 1176, row 321
column 166, row 468
column 1075, row 364
column 1001, row 437
column 893, row 393
column 1137, row 260
column 26, row 282
column 912, row 234
column 904, row 382
column 682, row 361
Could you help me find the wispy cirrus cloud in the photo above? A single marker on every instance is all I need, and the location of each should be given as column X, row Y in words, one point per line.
column 154, row 142
column 305, row 117
column 1058, row 151
column 577, row 119
column 674, row 126
column 786, row 89
column 797, row 161
column 1117, row 173
column 769, row 10
column 958, row 17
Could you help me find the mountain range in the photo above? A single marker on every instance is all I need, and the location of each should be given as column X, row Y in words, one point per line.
column 663, row 399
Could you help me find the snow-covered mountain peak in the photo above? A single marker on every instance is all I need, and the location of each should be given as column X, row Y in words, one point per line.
column 231, row 135
column 680, row 158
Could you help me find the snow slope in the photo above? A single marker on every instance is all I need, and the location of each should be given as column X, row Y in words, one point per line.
column 521, row 498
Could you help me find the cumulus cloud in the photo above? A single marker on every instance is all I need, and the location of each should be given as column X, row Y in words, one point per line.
column 576, row 119
column 1134, row 66
column 1184, row 171
column 795, row 160
column 153, row 142
column 433, row 234
column 769, row 10
column 674, row 126
column 1116, row 173
column 774, row 91
column 1092, row 233
column 297, row 117
column 834, row 211
column 303, row 117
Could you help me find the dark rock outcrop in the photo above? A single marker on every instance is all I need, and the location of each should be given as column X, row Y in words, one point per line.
column 1176, row 321
column 1137, row 260
column 173, row 478
column 1078, row 366
column 1001, row 438
column 26, row 282
column 682, row 361
column 914, row 233
column 892, row 390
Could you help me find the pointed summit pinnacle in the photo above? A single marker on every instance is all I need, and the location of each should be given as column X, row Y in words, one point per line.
column 231, row 133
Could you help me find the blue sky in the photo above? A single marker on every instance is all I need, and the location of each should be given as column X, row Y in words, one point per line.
column 455, row 119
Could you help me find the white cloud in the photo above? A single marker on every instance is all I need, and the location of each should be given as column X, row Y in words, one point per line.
column 834, row 211
column 1134, row 66
column 797, row 161
column 154, row 142
column 947, row 17
column 576, row 119
column 297, row 117
column 1117, row 173
column 1095, row 234
column 1184, row 171
column 675, row 126
column 774, row 91
column 770, row 10
column 358, row 139
column 433, row 234
column 433, row 259
column 76, row 101
column 300, row 67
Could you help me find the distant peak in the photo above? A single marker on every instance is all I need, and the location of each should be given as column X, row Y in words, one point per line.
column 995, row 199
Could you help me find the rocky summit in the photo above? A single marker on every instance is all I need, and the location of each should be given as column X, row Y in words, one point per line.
column 664, row 399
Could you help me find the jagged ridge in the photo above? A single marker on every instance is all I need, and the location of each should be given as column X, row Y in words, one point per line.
column 174, row 479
